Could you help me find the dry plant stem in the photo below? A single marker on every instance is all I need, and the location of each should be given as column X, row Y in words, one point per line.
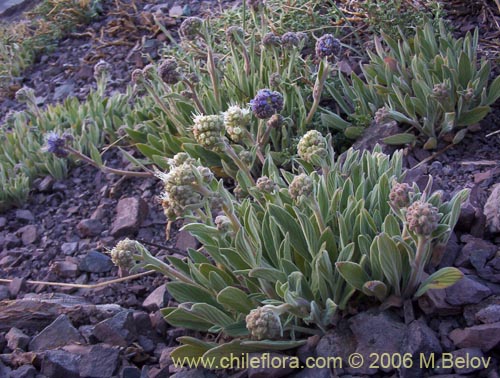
column 318, row 89
column 434, row 155
column 82, row 286
column 108, row 169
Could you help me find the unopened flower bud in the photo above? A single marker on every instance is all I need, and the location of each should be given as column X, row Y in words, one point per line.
column 190, row 28
column 441, row 91
column 236, row 120
column 290, row 40
column 399, row 196
column 276, row 121
column 266, row 103
column 233, row 33
column 422, row 218
column 208, row 130
column 25, row 94
column 266, row 185
column 301, row 186
column 328, row 47
column 264, row 323
column 312, row 146
column 101, row 69
column 271, row 40
column 223, row 224
column 122, row 254
column 381, row 115
column 167, row 71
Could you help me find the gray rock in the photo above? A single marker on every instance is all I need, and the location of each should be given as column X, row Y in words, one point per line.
column 451, row 252
column 194, row 373
column 492, row 210
column 95, row 262
column 45, row 185
column 25, row 215
column 460, row 357
column 4, row 370
column 57, row 334
column 29, row 234
column 376, row 333
column 466, row 291
column 59, row 364
column 25, row 371
column 16, row 285
column 185, row 241
column 489, row 314
column 484, row 336
column 119, row 330
column 470, row 311
column 130, row 213
column 419, row 341
column 89, row 227
column 66, row 269
column 16, row 339
column 11, row 241
column 130, row 372
column 3, row 222
column 157, row 299
column 314, row 373
column 474, row 247
column 69, row 248
column 4, row 292
column 284, row 370
column 100, row 362
column 339, row 342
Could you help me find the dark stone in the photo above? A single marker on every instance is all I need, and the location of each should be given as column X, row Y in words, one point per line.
column 29, row 234
column 470, row 311
column 451, row 252
column 95, row 262
column 200, row 373
column 467, row 353
column 16, row 285
column 466, row 291
column 11, row 241
column 339, row 342
column 376, row 332
column 484, row 336
column 25, row 371
column 60, row 364
column 100, row 362
column 267, row 371
column 119, row 330
column 419, row 340
column 374, row 135
column 69, row 248
column 157, row 299
column 478, row 248
column 314, row 373
column 16, row 339
column 89, row 227
column 130, row 372
column 25, row 215
column 489, row 314
column 4, row 292
column 130, row 213
column 57, row 334
column 185, row 241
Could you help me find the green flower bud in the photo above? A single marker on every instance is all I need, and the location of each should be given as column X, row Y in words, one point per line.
column 381, row 115
column 266, row 185
column 301, row 186
column 223, row 224
column 422, row 218
column 122, row 254
column 399, row 196
column 264, row 324
column 312, row 147
column 236, row 120
column 208, row 131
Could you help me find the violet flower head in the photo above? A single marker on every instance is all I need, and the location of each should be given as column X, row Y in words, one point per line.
column 328, row 46
column 266, row 103
column 56, row 144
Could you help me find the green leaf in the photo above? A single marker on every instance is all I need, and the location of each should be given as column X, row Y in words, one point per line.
column 268, row 274
column 353, row 273
column 441, row 279
column 473, row 116
column 334, row 121
column 95, row 155
column 184, row 292
column 390, row 260
column 236, row 299
column 376, row 289
column 180, row 317
column 289, row 225
column 354, row 132
column 493, row 91
column 459, row 136
column 403, row 138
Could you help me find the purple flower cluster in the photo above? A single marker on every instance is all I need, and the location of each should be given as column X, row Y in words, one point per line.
column 266, row 103
column 56, row 144
column 327, row 46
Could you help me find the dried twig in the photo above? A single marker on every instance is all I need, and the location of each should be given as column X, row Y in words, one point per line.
column 83, row 286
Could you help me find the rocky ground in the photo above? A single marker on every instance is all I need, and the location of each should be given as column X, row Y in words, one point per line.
column 63, row 232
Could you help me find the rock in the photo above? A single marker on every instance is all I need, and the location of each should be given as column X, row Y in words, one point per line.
column 16, row 339
column 489, row 314
column 11, row 241
column 165, row 357
column 376, row 333
column 434, row 302
column 130, row 213
column 46, row 184
column 16, row 285
column 196, row 373
column 470, row 311
column 4, row 292
column 119, row 330
column 59, row 363
column 95, row 262
column 266, row 369
column 374, row 134
column 484, row 336
column 157, row 299
column 308, row 349
column 339, row 342
column 59, row 333
column 89, row 227
column 419, row 341
column 315, row 373
column 466, row 291
column 451, row 252
column 492, row 210
column 4, row 370
column 3, row 222
column 176, row 11
column 25, row 371
column 29, row 234
column 66, row 269
column 185, row 241
column 25, row 215
column 130, row 372
column 69, row 248
column 475, row 247
column 466, row 217
column 460, row 357
column 100, row 362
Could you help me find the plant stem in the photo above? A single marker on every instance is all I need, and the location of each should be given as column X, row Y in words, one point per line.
column 105, row 169
column 418, row 264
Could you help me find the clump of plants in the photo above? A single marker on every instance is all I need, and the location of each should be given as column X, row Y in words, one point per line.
column 22, row 42
column 431, row 82
column 280, row 261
